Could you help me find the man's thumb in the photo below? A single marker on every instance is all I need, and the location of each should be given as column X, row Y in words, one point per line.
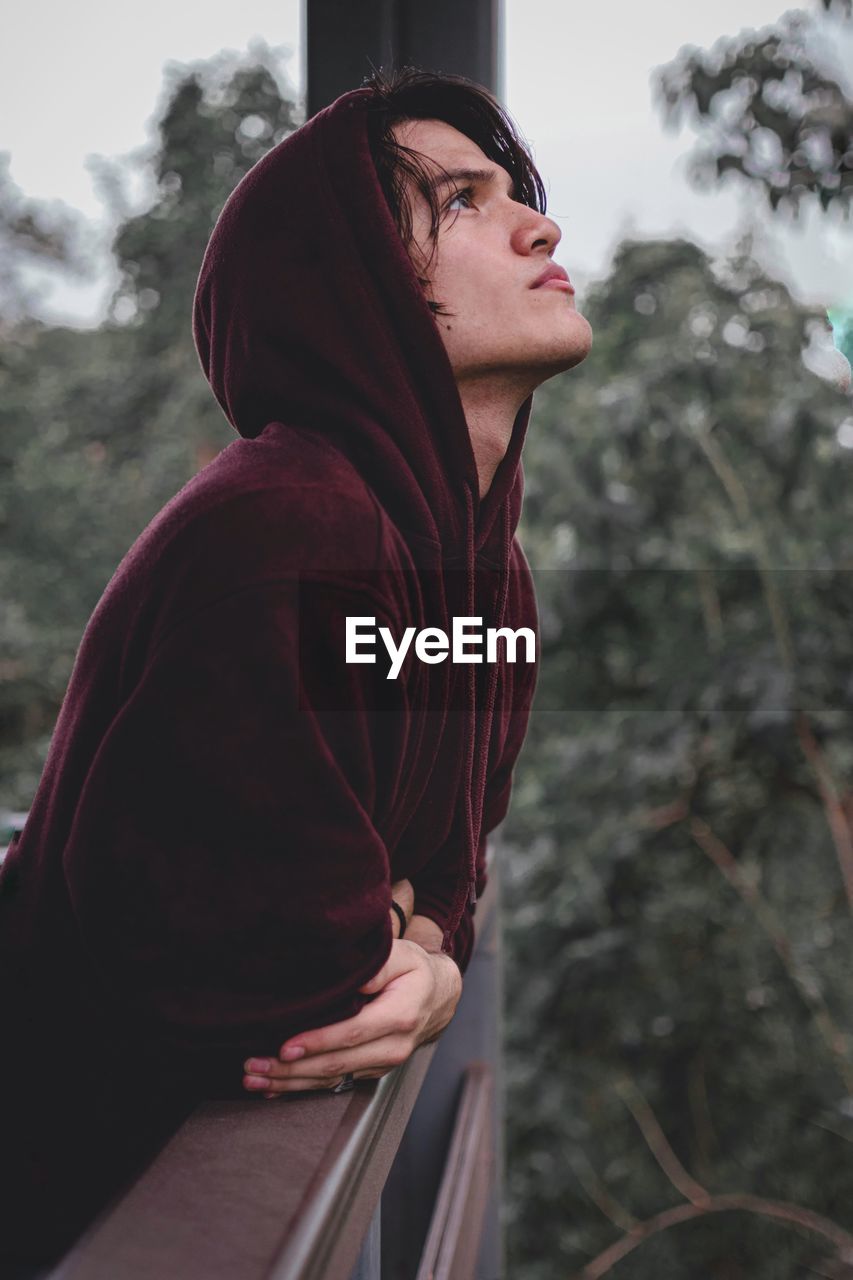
column 376, row 983
column 392, row 968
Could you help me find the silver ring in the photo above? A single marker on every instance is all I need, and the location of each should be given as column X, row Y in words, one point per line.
column 346, row 1084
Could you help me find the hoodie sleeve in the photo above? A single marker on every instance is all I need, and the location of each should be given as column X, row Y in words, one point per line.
column 227, row 876
column 435, row 886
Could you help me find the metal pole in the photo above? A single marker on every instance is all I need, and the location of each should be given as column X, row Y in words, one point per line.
column 345, row 38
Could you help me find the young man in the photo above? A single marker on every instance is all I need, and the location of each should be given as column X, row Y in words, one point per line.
column 200, row 904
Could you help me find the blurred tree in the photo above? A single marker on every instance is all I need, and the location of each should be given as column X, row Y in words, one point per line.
column 679, row 851
column 767, row 111
column 32, row 232
column 100, row 428
column 678, row 900
column 217, row 121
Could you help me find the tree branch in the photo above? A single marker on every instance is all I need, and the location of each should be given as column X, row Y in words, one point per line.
column 700, row 1200
column 834, row 809
column 792, row 1214
column 599, row 1193
column 808, row 989
column 658, row 1144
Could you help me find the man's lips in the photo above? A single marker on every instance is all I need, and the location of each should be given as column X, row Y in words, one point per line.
column 553, row 277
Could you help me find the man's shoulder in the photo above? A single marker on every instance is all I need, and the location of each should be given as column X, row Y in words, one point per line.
column 270, row 509
column 261, row 512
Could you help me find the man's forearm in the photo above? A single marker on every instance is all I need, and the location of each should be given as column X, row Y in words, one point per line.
column 420, row 929
column 425, row 932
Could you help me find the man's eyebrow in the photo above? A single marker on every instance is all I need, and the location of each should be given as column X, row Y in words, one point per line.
column 470, row 175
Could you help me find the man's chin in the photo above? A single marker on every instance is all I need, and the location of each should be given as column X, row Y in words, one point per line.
column 580, row 343
column 573, row 350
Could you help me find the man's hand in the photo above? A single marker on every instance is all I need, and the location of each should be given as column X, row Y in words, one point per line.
column 416, row 993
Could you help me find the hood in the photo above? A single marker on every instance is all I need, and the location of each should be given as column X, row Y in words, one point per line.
column 309, row 312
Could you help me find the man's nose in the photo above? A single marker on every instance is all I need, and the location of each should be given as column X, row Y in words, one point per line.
column 535, row 229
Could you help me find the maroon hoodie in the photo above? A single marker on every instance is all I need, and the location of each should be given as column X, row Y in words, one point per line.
column 207, row 863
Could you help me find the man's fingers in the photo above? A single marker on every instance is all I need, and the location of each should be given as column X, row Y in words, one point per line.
column 380, row 1037
column 390, row 1015
column 372, row 1021
column 403, row 983
column 284, row 1087
column 376, row 983
column 324, row 1070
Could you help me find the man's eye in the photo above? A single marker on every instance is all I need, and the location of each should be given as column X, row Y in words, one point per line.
column 465, row 193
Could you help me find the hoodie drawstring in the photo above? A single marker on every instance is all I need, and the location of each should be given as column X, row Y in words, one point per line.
column 474, row 775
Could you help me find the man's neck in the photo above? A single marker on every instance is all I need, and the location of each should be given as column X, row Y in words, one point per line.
column 490, row 419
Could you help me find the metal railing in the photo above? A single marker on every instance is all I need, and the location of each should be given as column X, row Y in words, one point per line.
column 400, row 1179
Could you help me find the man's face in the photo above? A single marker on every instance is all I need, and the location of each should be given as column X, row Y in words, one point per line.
column 490, row 250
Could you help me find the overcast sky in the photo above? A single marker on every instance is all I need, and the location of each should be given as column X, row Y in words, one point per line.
column 85, row 78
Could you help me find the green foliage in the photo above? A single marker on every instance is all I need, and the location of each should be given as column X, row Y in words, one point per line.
column 211, row 132
column 99, row 429
column 765, row 112
column 686, row 518
column 31, row 233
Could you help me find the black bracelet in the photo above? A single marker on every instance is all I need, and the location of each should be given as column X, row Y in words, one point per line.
column 401, row 916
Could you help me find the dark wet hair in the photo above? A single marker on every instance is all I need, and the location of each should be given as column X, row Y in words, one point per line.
column 412, row 94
